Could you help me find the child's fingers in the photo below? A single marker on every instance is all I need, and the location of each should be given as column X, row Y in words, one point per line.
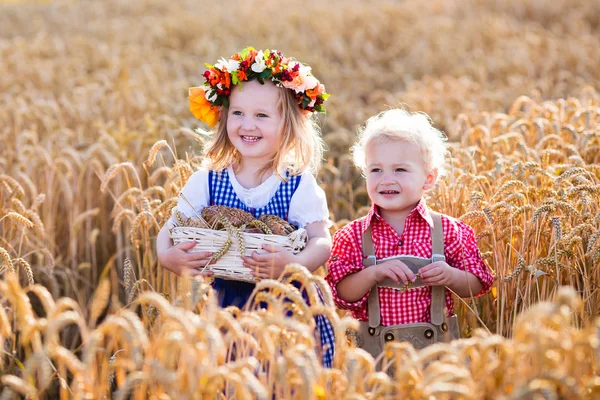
column 261, row 273
column 249, row 262
column 261, row 258
column 200, row 255
column 186, row 245
column 400, row 275
column 391, row 275
column 407, row 271
column 430, row 273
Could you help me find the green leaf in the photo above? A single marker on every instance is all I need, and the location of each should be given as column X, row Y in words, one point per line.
column 234, row 78
column 325, row 96
column 208, row 66
column 265, row 74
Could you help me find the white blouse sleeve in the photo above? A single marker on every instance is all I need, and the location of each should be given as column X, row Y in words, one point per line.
column 196, row 192
column 308, row 203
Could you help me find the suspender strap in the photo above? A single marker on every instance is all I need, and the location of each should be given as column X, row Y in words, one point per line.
column 373, row 307
column 438, row 296
column 438, row 293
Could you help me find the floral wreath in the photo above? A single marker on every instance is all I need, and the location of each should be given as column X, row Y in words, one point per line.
column 251, row 64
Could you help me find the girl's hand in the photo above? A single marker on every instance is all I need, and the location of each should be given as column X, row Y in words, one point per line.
column 269, row 265
column 438, row 274
column 395, row 270
column 179, row 260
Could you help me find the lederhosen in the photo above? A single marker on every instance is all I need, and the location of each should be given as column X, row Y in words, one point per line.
column 373, row 336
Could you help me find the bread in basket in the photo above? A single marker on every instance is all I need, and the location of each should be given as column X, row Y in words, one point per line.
column 229, row 232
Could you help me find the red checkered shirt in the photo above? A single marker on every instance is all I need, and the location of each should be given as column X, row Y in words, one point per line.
column 460, row 249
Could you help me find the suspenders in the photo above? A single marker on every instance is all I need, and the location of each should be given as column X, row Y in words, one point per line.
column 373, row 335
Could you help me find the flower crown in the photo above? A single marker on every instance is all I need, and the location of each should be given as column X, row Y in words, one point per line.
column 260, row 65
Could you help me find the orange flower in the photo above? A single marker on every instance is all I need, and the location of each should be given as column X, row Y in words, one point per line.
column 214, row 78
column 201, row 108
column 317, row 90
column 242, row 75
column 251, row 56
column 226, row 79
column 278, row 68
column 235, row 57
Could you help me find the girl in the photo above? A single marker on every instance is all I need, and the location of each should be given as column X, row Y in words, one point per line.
column 260, row 160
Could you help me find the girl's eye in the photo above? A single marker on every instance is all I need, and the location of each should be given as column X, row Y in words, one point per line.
column 237, row 113
column 376, row 170
column 400, row 170
column 261, row 115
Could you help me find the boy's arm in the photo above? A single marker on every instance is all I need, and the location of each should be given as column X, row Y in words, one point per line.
column 355, row 286
column 464, row 272
column 345, row 264
column 465, row 284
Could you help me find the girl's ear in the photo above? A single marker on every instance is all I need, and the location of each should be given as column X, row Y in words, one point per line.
column 430, row 178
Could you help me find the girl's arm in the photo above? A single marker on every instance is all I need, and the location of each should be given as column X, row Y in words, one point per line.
column 317, row 248
column 272, row 263
column 177, row 259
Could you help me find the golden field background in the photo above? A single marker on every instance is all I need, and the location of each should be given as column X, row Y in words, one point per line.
column 88, row 91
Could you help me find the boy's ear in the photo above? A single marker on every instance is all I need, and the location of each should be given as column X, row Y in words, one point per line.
column 430, row 179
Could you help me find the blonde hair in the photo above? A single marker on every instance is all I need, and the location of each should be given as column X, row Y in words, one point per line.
column 301, row 146
column 401, row 125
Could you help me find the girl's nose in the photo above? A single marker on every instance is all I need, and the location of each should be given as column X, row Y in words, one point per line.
column 248, row 124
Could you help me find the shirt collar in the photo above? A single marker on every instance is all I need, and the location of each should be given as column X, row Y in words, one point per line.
column 420, row 210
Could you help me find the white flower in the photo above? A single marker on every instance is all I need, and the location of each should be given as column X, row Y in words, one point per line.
column 227, row 65
column 259, row 63
column 304, row 70
column 207, row 96
column 310, row 82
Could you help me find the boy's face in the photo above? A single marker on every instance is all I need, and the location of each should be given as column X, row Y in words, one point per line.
column 396, row 176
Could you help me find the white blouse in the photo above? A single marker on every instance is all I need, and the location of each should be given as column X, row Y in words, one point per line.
column 308, row 204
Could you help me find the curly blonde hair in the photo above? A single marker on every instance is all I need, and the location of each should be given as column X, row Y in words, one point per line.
column 401, row 125
column 301, row 146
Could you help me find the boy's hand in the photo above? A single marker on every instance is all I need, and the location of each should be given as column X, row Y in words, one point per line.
column 438, row 273
column 395, row 270
column 179, row 260
column 268, row 265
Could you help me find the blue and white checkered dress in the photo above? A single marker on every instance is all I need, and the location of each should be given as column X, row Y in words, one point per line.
column 237, row 293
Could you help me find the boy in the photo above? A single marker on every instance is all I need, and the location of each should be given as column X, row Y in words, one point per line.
column 402, row 156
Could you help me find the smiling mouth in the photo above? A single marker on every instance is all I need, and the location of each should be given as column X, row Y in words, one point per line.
column 251, row 139
column 389, row 192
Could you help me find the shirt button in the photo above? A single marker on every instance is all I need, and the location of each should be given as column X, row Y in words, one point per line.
column 400, row 243
column 334, row 258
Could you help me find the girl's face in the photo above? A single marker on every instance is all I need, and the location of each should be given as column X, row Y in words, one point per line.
column 396, row 176
column 253, row 122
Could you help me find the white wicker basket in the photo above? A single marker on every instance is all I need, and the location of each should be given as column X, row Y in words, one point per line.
column 229, row 266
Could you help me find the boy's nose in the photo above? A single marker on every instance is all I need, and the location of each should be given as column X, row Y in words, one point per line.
column 387, row 177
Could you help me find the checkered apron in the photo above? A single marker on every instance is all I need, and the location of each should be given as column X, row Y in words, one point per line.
column 237, row 293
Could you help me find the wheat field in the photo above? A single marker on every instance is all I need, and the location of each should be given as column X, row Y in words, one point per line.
column 97, row 141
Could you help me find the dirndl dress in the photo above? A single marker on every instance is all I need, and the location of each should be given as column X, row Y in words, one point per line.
column 237, row 293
